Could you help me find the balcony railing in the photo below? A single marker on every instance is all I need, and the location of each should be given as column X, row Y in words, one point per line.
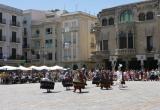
column 125, row 51
column 103, row 53
column 70, row 29
column 16, row 57
column 15, row 40
column 150, row 50
column 3, row 21
column 12, row 23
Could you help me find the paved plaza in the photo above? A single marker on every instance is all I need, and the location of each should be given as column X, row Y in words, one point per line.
column 138, row 96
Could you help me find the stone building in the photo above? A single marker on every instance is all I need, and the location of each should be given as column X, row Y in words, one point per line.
column 130, row 35
column 10, row 35
column 77, row 41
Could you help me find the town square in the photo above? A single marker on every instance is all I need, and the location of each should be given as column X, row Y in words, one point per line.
column 137, row 96
column 80, row 55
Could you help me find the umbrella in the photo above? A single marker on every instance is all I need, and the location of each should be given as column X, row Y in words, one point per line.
column 56, row 68
column 8, row 68
column 23, row 68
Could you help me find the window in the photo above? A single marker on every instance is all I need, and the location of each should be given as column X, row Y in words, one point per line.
column 1, row 35
column 49, row 56
column 149, row 16
column 0, row 17
column 37, row 32
column 25, row 55
column 14, row 36
column 25, row 31
column 48, row 43
column 14, row 53
column 74, row 37
column 25, row 42
column 14, row 20
column 37, row 56
column 141, row 17
column 1, row 53
column 104, row 45
column 101, row 45
column 149, row 43
column 126, row 16
column 122, row 40
column 104, row 22
column 111, row 21
column 49, row 31
column 25, row 22
column 130, row 40
column 67, row 37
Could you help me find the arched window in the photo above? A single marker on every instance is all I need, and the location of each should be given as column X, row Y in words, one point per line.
column 111, row 21
column 141, row 17
column 126, row 16
column 104, row 22
column 130, row 40
column 149, row 16
column 122, row 40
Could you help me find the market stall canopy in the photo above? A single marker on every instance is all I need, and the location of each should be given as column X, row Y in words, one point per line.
column 23, row 68
column 56, row 68
column 8, row 68
column 32, row 67
column 40, row 68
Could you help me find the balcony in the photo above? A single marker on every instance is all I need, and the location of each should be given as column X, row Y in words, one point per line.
column 16, row 57
column 2, row 21
column 15, row 40
column 150, row 50
column 35, row 36
column 13, row 23
column 70, row 29
column 125, row 51
column 26, row 46
column 103, row 53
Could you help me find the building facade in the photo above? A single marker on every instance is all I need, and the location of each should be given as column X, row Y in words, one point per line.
column 130, row 35
column 45, row 38
column 77, row 41
column 10, row 35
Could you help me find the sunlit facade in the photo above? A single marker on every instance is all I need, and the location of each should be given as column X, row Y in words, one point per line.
column 129, row 34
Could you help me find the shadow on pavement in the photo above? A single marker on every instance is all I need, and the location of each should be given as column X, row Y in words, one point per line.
column 53, row 92
column 84, row 92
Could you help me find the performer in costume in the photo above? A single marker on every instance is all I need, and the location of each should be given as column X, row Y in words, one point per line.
column 78, row 80
column 47, row 82
column 104, row 80
column 120, row 77
column 67, row 80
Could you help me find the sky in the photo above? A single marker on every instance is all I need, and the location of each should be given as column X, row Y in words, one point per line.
column 89, row 6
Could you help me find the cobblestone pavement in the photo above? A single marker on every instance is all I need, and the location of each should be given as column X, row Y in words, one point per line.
column 137, row 96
